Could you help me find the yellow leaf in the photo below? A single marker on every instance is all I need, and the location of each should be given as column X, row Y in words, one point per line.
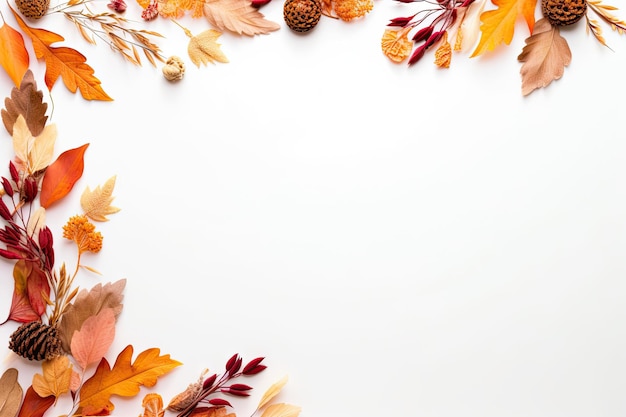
column 443, row 54
column 13, row 54
column 57, row 374
column 272, row 391
column 281, row 410
column 237, row 16
column 97, row 203
column 34, row 152
column 545, row 57
column 498, row 26
column 395, row 44
column 203, row 48
column 124, row 379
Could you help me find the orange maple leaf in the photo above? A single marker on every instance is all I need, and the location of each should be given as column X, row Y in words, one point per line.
column 498, row 25
column 124, row 379
column 65, row 62
column 13, row 54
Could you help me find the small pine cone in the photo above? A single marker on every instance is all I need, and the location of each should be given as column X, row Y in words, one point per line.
column 302, row 15
column 563, row 12
column 36, row 341
column 33, row 9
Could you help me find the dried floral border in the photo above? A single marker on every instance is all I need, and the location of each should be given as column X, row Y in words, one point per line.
column 69, row 329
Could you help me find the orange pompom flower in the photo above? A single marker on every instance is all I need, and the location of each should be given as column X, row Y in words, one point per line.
column 352, row 9
column 83, row 232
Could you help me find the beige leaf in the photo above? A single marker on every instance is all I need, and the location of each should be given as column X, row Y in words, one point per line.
column 470, row 26
column 281, row 410
column 36, row 222
column 545, row 57
column 237, row 16
column 97, row 203
column 57, row 374
column 272, row 391
column 34, row 152
column 203, row 48
column 395, row 44
column 10, row 393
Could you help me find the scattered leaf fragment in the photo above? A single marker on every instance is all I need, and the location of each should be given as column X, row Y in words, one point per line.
column 10, row 393
column 97, row 203
column 203, row 48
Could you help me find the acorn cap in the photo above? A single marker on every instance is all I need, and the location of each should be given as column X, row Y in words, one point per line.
column 33, row 9
column 563, row 12
column 302, row 15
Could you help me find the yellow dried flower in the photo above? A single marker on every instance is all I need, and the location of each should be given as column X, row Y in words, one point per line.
column 352, row 9
column 80, row 230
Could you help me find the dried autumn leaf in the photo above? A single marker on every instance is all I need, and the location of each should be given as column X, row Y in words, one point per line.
column 61, row 175
column 35, row 153
column 30, row 286
column 89, row 303
column 152, row 406
column 124, row 379
column 92, row 341
column 470, row 26
column 97, row 203
column 396, row 45
column 33, row 405
column 10, row 393
column 498, row 26
column 545, row 57
column 272, row 391
column 63, row 62
column 28, row 102
column 203, row 48
column 237, row 16
column 211, row 412
column 443, row 54
column 56, row 377
column 281, row 410
column 36, row 222
column 13, row 54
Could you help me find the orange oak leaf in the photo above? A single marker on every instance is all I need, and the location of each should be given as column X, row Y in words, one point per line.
column 13, row 54
column 545, row 57
column 28, row 303
column 26, row 101
column 33, row 405
column 55, row 378
column 63, row 62
column 61, row 175
column 498, row 26
column 238, row 16
column 92, row 341
column 124, row 379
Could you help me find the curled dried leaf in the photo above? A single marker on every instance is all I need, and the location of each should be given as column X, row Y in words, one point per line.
column 396, row 45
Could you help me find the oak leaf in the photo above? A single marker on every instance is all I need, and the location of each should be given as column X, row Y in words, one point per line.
column 13, row 54
column 61, row 175
column 498, row 26
column 97, row 203
column 545, row 57
column 28, row 102
column 10, row 393
column 203, row 48
column 395, row 44
column 92, row 341
column 272, row 391
column 33, row 405
column 237, row 16
column 124, row 379
column 34, row 153
column 56, row 377
column 281, row 410
column 89, row 303
column 64, row 62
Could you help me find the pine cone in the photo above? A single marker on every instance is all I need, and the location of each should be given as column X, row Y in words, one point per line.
column 36, row 341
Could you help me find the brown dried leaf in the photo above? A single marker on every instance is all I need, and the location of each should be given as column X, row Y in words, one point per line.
column 87, row 304
column 272, row 391
column 28, row 102
column 10, row 393
column 238, row 16
column 396, row 45
column 281, row 410
column 545, row 57
column 97, row 203
column 203, row 48
column 56, row 377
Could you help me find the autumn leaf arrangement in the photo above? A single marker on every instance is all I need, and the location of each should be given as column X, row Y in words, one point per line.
column 67, row 329
column 448, row 26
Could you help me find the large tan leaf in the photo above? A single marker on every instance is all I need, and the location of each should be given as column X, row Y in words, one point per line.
column 545, row 57
column 97, row 203
column 281, row 410
column 55, row 379
column 272, row 391
column 10, row 393
column 238, row 16
column 203, row 48
column 92, row 341
column 34, row 152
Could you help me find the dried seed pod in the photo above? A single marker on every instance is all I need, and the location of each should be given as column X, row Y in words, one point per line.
column 302, row 15
column 174, row 69
column 33, row 9
column 36, row 341
column 563, row 12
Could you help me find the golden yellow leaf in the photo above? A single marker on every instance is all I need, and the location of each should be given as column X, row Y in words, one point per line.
column 57, row 374
column 237, row 16
column 281, row 410
column 395, row 44
column 272, row 391
column 498, row 26
column 443, row 54
column 203, row 48
column 152, row 406
column 545, row 57
column 35, row 153
column 97, row 203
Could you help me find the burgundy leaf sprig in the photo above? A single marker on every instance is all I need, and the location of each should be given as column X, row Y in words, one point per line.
column 223, row 384
column 432, row 23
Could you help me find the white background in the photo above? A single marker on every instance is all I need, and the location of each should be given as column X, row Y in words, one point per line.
column 407, row 241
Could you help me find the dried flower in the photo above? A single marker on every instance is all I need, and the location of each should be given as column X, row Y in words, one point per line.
column 117, row 5
column 174, row 69
column 79, row 229
column 352, row 9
